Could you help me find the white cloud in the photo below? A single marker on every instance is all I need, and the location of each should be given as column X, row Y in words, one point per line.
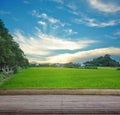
column 51, row 24
column 94, row 23
column 72, row 6
column 117, row 33
column 102, row 24
column 82, row 55
column 26, row 2
column 42, row 23
column 35, row 13
column 110, row 36
column 34, row 60
column 70, row 32
column 29, row 45
column 74, row 12
column 45, row 17
column 58, row 1
column 114, row 35
column 50, row 19
column 43, row 45
column 53, row 20
column 104, row 7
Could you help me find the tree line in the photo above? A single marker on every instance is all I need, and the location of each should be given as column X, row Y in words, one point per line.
column 11, row 56
column 102, row 61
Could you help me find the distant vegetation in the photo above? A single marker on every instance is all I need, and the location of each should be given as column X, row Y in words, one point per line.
column 102, row 61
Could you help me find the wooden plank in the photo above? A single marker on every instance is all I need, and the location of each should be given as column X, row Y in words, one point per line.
column 59, row 104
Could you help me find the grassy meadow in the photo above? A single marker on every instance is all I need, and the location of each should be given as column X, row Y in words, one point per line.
column 48, row 77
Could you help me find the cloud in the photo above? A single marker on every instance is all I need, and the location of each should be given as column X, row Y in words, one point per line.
column 30, row 45
column 72, row 6
column 50, row 19
column 44, row 45
column 117, row 33
column 45, row 16
column 35, row 13
column 70, row 32
column 42, row 23
column 104, row 7
column 52, row 25
column 95, row 23
column 110, row 36
column 26, row 2
column 114, row 35
column 82, row 56
column 74, row 12
column 58, row 1
column 40, row 48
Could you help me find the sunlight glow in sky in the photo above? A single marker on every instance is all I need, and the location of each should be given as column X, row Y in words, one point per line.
column 62, row 31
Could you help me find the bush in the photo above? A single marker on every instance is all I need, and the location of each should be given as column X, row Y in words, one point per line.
column 118, row 68
column 90, row 67
column 16, row 69
column 2, row 76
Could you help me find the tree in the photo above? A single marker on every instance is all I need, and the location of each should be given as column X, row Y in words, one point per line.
column 72, row 65
column 103, row 61
column 10, row 53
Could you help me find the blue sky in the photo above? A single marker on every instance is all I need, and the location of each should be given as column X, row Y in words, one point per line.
column 62, row 31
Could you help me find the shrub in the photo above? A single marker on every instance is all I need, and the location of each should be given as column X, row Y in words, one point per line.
column 2, row 76
column 90, row 67
column 118, row 68
column 16, row 69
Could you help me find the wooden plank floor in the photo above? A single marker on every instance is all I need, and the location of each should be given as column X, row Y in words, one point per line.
column 59, row 104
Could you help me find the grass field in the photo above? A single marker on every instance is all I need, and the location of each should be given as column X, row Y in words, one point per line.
column 65, row 78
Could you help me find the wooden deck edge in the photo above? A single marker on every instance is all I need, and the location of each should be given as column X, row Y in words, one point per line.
column 59, row 91
column 61, row 111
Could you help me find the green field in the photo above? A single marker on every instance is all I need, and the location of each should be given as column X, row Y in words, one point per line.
column 65, row 78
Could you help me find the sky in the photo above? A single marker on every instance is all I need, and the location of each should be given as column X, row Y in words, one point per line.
column 63, row 31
